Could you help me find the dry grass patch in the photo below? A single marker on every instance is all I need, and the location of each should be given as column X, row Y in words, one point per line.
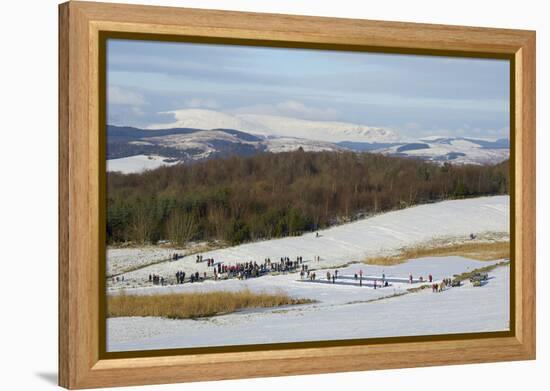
column 194, row 305
column 481, row 251
column 485, row 269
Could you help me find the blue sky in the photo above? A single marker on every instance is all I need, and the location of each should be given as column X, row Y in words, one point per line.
column 415, row 95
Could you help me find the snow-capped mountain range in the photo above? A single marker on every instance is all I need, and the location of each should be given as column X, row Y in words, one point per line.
column 205, row 134
column 270, row 125
column 458, row 150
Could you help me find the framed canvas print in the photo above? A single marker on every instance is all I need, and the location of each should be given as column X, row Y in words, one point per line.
column 276, row 194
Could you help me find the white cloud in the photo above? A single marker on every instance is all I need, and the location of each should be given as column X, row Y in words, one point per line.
column 120, row 96
column 290, row 108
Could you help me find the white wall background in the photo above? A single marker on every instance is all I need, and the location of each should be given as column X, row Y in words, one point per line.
column 28, row 207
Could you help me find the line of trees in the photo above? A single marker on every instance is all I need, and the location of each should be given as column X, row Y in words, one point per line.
column 240, row 199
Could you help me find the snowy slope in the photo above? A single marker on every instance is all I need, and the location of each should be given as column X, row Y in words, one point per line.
column 184, row 145
column 207, row 120
column 454, row 150
column 137, row 163
column 214, row 141
column 342, row 313
column 331, row 131
column 355, row 241
column 204, row 134
column 209, row 143
column 269, row 125
column 288, row 144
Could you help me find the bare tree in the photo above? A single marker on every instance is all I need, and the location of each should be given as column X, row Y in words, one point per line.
column 141, row 224
column 217, row 217
column 181, row 227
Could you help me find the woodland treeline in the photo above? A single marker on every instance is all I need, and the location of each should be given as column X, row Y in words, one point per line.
column 241, row 199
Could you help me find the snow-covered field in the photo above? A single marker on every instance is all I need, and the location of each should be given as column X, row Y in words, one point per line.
column 352, row 242
column 122, row 259
column 137, row 163
column 344, row 309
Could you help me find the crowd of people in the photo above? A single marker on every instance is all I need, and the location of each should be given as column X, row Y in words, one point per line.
column 180, row 277
column 440, row 287
column 241, row 270
column 252, row 269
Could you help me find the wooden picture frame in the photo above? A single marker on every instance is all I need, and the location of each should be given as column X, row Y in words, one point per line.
column 81, row 25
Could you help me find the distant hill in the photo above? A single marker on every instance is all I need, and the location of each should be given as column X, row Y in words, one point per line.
column 457, row 150
column 279, row 126
column 132, row 149
column 187, row 145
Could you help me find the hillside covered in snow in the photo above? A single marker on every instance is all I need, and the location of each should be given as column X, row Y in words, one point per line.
column 456, row 150
column 343, row 309
column 277, row 126
column 132, row 150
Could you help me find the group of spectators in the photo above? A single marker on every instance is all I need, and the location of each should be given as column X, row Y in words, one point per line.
column 241, row 270
column 157, row 279
column 446, row 282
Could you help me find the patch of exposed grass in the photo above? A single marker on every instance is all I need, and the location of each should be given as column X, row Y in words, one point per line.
column 419, row 288
column 481, row 251
column 194, row 305
column 485, row 269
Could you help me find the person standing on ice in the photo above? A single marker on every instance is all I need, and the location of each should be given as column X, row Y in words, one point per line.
column 410, row 278
column 430, row 278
